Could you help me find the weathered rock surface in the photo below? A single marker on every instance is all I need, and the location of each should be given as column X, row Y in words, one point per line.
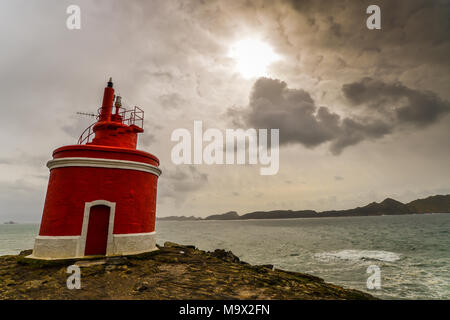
column 173, row 272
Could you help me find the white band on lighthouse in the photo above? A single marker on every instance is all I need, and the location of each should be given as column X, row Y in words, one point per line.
column 68, row 247
column 64, row 247
column 103, row 163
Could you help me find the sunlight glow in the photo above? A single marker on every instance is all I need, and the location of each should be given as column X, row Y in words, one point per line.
column 252, row 57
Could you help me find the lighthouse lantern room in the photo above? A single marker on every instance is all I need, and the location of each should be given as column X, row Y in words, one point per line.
column 101, row 195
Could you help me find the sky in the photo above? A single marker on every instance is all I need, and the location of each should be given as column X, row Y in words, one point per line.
column 363, row 114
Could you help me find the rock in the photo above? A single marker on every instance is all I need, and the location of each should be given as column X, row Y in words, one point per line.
column 33, row 284
column 163, row 274
column 26, row 252
column 143, row 286
column 116, row 260
column 110, row 267
column 89, row 263
column 225, row 255
column 9, row 282
column 169, row 244
column 267, row 266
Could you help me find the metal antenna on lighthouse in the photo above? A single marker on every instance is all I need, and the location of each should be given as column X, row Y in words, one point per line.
column 86, row 114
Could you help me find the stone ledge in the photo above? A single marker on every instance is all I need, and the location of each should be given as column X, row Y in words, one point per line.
column 172, row 272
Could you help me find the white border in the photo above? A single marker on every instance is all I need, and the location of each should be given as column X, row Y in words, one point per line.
column 134, row 234
column 81, row 248
column 103, row 163
column 57, row 237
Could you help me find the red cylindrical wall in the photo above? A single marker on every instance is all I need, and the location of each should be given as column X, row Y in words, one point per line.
column 133, row 192
column 69, row 188
column 107, row 104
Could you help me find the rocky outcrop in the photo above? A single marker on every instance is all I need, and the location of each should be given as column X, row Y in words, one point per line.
column 172, row 272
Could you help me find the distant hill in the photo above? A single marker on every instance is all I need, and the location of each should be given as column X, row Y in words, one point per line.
column 386, row 207
column 433, row 204
column 430, row 204
column 232, row 215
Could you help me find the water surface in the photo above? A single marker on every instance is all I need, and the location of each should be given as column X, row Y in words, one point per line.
column 412, row 251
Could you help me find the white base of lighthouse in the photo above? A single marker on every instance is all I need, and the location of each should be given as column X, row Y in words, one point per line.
column 67, row 247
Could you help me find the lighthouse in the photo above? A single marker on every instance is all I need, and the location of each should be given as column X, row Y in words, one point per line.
column 101, row 195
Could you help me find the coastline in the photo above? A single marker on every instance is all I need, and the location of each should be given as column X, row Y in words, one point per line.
column 306, row 218
column 173, row 272
column 387, row 207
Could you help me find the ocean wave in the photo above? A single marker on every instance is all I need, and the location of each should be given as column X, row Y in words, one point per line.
column 357, row 255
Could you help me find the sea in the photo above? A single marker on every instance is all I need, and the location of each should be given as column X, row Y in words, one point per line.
column 410, row 254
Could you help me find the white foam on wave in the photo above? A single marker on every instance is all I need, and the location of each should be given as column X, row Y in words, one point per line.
column 355, row 255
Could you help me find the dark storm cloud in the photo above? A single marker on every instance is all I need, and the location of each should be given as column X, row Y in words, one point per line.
column 330, row 39
column 403, row 22
column 274, row 105
column 354, row 131
column 417, row 107
column 293, row 111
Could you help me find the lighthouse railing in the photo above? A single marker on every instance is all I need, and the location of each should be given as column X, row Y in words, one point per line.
column 87, row 134
column 129, row 117
column 133, row 116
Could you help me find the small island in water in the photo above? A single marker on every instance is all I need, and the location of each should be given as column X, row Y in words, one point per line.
column 432, row 204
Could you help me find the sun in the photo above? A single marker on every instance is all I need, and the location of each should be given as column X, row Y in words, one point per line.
column 252, row 57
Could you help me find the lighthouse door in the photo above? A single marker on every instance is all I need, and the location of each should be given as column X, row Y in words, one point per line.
column 97, row 235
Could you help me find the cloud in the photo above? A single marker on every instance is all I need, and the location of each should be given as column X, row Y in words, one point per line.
column 405, row 105
column 275, row 106
column 177, row 183
column 49, row 73
column 172, row 100
column 147, row 139
column 354, row 131
column 404, row 23
column 22, row 158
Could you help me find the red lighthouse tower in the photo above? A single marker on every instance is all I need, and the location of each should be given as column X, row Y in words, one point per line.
column 101, row 196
